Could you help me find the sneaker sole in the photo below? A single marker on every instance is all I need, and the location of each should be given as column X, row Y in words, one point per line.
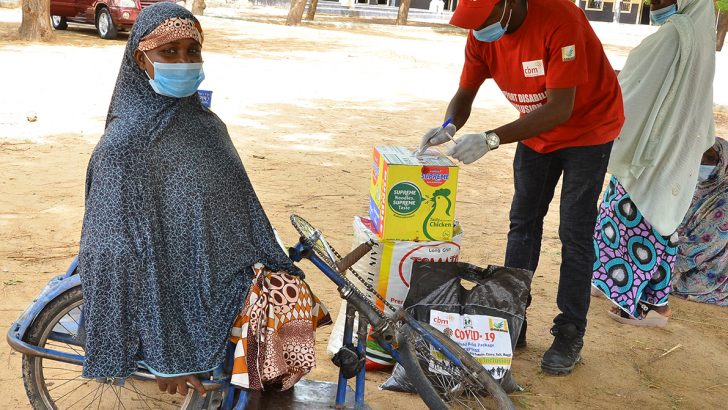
column 560, row 371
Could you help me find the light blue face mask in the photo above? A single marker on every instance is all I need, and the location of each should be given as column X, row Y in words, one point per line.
column 659, row 16
column 494, row 31
column 176, row 80
column 705, row 172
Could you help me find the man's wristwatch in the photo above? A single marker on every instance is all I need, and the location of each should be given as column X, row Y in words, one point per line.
column 492, row 139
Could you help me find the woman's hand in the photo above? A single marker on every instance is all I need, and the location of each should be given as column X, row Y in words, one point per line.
column 178, row 384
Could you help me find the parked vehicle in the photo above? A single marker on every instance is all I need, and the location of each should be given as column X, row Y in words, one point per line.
column 109, row 16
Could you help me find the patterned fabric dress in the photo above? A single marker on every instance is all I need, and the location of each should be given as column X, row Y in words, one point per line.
column 634, row 263
column 171, row 230
column 701, row 271
column 274, row 334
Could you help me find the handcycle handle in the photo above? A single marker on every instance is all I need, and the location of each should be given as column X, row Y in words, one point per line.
column 349, row 260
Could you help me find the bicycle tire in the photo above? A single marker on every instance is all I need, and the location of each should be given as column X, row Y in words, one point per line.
column 416, row 366
column 38, row 385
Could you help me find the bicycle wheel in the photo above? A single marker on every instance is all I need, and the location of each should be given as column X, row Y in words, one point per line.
column 450, row 386
column 56, row 385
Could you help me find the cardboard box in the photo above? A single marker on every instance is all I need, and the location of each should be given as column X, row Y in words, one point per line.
column 412, row 198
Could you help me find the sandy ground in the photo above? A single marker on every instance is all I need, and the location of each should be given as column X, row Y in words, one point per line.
column 304, row 107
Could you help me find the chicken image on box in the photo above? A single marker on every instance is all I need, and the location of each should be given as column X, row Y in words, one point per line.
column 388, row 268
column 412, row 198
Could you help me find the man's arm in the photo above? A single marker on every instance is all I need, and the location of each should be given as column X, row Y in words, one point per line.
column 459, row 110
column 460, row 106
column 557, row 110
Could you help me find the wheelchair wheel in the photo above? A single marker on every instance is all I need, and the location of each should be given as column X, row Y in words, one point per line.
column 441, row 383
column 57, row 385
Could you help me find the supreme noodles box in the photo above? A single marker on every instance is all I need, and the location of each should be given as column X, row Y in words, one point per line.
column 412, row 198
column 388, row 268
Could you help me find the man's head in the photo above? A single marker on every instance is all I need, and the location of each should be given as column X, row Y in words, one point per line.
column 478, row 14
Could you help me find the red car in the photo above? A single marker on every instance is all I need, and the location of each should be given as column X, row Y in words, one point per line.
column 109, row 16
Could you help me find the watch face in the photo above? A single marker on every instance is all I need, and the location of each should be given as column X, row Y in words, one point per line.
column 492, row 140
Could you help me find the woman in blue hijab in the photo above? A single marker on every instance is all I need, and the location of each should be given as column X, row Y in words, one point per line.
column 172, row 224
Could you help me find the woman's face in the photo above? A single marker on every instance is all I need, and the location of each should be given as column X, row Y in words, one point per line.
column 661, row 4
column 710, row 157
column 185, row 50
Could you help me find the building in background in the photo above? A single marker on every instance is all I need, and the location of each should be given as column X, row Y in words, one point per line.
column 630, row 11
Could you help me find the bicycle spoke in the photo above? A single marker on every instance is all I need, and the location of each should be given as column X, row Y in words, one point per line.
column 118, row 396
column 103, row 389
column 55, row 344
column 139, row 394
column 79, row 400
column 63, row 384
column 450, row 382
column 71, row 316
column 475, row 397
column 61, row 345
column 62, row 374
column 67, row 330
column 94, row 399
column 64, row 396
column 62, row 379
column 154, row 398
column 60, row 368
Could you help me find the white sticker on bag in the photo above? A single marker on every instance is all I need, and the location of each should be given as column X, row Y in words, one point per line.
column 486, row 338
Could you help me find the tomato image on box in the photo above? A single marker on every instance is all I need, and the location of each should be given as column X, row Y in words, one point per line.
column 412, row 198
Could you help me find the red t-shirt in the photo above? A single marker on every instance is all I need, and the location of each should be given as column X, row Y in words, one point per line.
column 555, row 47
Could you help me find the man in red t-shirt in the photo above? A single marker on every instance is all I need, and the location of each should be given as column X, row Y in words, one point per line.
column 549, row 64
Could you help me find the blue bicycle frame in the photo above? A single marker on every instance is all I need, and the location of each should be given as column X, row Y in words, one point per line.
column 352, row 296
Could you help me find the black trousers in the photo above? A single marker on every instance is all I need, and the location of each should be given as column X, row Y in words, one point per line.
column 535, row 178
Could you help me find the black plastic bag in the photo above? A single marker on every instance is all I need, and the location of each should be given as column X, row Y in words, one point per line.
column 497, row 293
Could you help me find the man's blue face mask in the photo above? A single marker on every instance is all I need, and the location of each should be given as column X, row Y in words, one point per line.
column 659, row 16
column 494, row 31
column 176, row 80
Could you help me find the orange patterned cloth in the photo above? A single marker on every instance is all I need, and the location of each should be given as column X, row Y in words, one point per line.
column 274, row 335
column 175, row 28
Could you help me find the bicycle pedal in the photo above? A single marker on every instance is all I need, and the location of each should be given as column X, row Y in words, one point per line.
column 349, row 360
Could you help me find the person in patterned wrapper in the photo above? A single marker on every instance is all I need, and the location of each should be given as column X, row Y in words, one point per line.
column 667, row 82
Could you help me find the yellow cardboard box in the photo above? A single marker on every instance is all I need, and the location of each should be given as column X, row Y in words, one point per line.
column 412, row 198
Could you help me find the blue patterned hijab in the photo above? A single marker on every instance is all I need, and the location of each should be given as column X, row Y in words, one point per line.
column 171, row 229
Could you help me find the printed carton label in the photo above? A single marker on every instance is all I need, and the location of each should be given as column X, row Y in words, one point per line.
column 435, row 176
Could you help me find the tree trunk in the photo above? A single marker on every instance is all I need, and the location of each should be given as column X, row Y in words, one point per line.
column 722, row 30
column 198, row 7
column 311, row 10
column 36, row 25
column 403, row 12
column 295, row 13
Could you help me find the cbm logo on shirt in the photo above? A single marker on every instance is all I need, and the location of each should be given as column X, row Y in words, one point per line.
column 533, row 68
